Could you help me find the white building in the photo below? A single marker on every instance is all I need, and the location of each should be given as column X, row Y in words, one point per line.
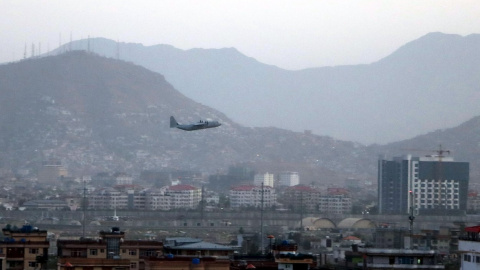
column 335, row 204
column 184, row 196
column 158, row 199
column 244, row 196
column 469, row 249
column 179, row 196
column 123, row 179
column 108, row 199
column 288, row 179
column 265, row 178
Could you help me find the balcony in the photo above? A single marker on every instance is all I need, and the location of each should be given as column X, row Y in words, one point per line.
column 15, row 254
column 294, row 258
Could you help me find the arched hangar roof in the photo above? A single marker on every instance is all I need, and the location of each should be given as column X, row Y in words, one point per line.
column 316, row 223
column 356, row 223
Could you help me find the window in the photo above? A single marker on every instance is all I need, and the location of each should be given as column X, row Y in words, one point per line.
column 93, row 252
column 32, row 264
column 132, row 252
column 467, row 258
column 405, row 260
column 102, row 250
column 77, row 253
column 133, row 265
column 33, row 251
column 148, row 253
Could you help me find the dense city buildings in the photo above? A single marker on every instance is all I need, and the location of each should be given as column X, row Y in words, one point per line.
column 431, row 185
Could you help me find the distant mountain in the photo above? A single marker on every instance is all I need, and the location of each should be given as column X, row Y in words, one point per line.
column 98, row 114
column 427, row 84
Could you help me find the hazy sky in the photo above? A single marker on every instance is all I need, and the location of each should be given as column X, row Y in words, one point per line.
column 289, row 34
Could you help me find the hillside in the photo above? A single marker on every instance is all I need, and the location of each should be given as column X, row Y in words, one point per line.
column 463, row 142
column 98, row 114
column 416, row 89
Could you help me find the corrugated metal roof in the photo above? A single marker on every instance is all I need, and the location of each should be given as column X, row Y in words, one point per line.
column 202, row 246
column 475, row 229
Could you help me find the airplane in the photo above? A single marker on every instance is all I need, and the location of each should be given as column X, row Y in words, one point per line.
column 196, row 126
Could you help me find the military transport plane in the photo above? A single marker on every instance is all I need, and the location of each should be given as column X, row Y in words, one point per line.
column 196, row 126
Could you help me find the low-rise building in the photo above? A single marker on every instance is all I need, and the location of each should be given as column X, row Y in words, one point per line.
column 379, row 259
column 188, row 247
column 109, row 250
column 469, row 248
column 287, row 257
column 24, row 248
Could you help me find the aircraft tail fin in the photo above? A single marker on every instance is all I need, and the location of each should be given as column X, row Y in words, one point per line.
column 173, row 122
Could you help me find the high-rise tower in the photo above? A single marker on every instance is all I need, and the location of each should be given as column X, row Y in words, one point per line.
column 438, row 186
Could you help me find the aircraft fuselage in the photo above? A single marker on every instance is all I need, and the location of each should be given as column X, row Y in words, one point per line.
column 196, row 126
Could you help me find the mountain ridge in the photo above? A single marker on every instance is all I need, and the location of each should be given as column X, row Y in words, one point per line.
column 98, row 114
column 410, row 92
